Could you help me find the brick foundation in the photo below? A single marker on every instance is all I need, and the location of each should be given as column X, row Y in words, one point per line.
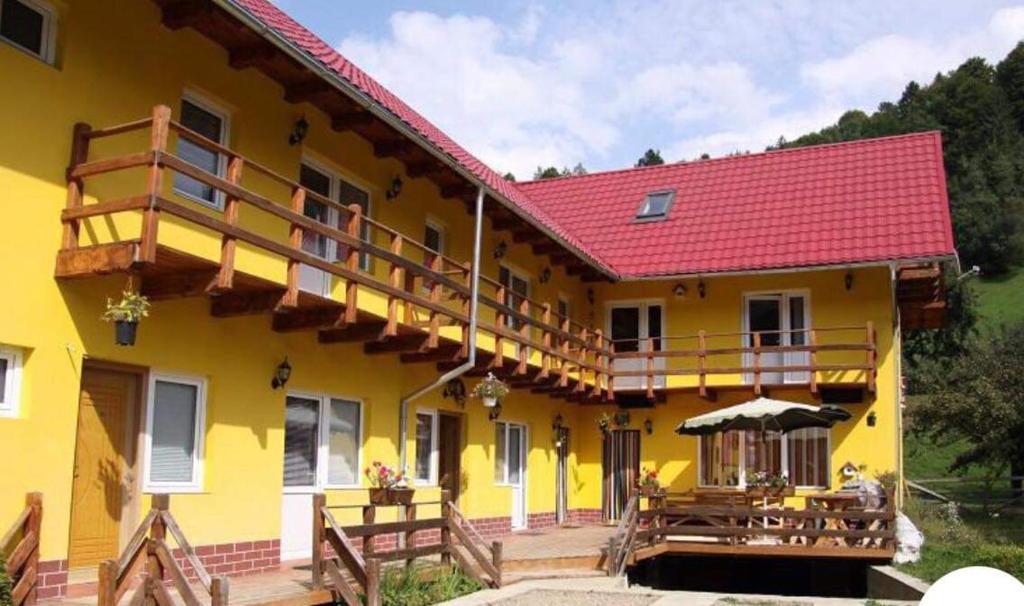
column 53, row 579
column 235, row 559
column 585, row 516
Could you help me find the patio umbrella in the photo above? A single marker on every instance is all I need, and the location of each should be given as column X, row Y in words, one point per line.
column 763, row 414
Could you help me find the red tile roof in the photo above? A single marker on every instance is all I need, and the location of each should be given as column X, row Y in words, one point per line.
column 866, row 201
column 859, row 202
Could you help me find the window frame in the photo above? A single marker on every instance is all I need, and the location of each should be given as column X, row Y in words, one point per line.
column 642, row 217
column 783, row 462
column 435, row 448
column 514, row 273
column 11, row 405
column 195, row 485
column 48, row 50
column 433, row 223
column 523, row 454
column 219, row 110
column 323, row 434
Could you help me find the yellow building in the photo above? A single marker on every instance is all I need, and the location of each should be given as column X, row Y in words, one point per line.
column 275, row 204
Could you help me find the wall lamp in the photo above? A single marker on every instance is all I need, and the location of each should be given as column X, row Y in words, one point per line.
column 848, row 280
column 679, row 290
column 545, row 276
column 299, row 131
column 649, row 426
column 282, row 373
column 872, row 419
column 701, row 289
column 499, row 250
column 395, row 189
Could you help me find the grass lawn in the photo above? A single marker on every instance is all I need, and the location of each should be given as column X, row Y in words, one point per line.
column 999, row 299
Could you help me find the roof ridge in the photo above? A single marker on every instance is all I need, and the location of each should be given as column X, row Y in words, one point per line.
column 732, row 158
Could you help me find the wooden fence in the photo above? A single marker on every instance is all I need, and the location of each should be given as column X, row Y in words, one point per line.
column 350, row 571
column 19, row 547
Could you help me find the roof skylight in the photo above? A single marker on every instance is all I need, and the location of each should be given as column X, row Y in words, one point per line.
column 656, row 205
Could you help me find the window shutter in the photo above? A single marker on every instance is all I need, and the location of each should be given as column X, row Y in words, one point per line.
column 172, row 456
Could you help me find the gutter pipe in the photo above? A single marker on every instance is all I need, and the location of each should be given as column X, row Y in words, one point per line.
column 474, row 291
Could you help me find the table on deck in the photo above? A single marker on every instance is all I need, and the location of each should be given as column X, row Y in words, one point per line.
column 837, row 502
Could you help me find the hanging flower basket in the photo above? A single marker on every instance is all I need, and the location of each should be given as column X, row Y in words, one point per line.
column 391, row 496
column 125, row 314
column 491, row 390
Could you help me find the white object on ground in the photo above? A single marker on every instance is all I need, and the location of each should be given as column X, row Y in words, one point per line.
column 908, row 540
column 975, row 585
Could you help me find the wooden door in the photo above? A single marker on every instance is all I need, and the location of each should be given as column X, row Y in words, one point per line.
column 100, row 482
column 621, row 463
column 449, row 459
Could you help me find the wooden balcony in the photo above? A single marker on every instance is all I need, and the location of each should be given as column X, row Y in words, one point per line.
column 248, row 257
column 825, row 357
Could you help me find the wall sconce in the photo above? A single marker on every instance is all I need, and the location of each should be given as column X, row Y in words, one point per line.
column 395, row 189
column 679, row 290
column 590, row 296
column 701, row 289
column 545, row 276
column 499, row 250
column 281, row 374
column 456, row 390
column 649, row 426
column 872, row 419
column 494, row 412
column 299, row 131
column 848, row 280
column 558, row 422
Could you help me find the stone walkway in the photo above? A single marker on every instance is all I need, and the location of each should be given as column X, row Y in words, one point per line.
column 601, row 591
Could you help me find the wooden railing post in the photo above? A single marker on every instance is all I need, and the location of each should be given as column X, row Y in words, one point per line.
column 395, row 281
column 702, row 377
column 650, row 368
column 563, row 378
column 290, row 299
column 467, row 276
column 76, row 185
column 757, row 363
column 524, row 335
column 812, row 339
column 434, row 339
column 373, row 582
column 317, row 567
column 611, row 371
column 33, row 525
column 446, row 533
column 157, row 534
column 496, row 557
column 600, row 375
column 218, row 591
column 500, row 322
column 369, row 517
column 154, row 184
column 410, row 535
column 872, row 356
column 545, row 357
column 581, row 360
column 352, row 264
column 106, row 583
column 226, row 274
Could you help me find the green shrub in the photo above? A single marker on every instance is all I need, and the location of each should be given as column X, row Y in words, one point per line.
column 417, row 586
column 5, row 585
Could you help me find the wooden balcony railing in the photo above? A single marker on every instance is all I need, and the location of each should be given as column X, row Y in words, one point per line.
column 805, row 355
column 423, row 289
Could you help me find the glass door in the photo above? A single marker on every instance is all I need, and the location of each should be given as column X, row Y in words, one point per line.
column 301, row 446
column 630, row 326
column 311, row 279
column 781, row 320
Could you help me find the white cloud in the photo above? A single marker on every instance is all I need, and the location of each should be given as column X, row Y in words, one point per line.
column 598, row 84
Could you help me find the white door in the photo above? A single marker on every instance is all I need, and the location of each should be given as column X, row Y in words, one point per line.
column 517, row 473
column 630, row 326
column 301, row 445
column 780, row 320
column 311, row 279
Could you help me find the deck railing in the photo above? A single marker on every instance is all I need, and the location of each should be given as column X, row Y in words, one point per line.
column 19, row 550
column 423, row 288
column 802, row 354
column 350, row 571
column 149, row 557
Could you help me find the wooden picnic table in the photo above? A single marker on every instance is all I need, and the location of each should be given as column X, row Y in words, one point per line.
column 833, row 501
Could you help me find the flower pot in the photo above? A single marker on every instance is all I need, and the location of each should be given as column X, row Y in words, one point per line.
column 391, row 496
column 769, row 491
column 650, row 491
column 124, row 332
column 490, row 401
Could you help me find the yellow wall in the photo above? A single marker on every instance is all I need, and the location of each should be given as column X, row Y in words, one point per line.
column 105, row 79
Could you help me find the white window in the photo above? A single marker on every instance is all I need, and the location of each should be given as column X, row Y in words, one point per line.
column 10, row 381
column 349, row 194
column 323, row 439
column 31, row 26
column 517, row 289
column 726, row 458
column 656, row 205
column 211, row 122
column 509, row 453
column 175, row 422
column 426, row 446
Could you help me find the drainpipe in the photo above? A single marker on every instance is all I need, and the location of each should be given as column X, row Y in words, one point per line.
column 474, row 289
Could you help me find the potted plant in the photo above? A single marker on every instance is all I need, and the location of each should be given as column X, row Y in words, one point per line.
column 648, row 483
column 764, row 484
column 125, row 314
column 387, row 485
column 491, row 390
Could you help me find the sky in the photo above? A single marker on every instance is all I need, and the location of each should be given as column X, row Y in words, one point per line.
column 528, row 83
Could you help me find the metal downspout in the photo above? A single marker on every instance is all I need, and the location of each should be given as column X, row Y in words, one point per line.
column 474, row 289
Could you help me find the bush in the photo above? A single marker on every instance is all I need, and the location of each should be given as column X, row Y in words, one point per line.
column 403, row 586
column 5, row 585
